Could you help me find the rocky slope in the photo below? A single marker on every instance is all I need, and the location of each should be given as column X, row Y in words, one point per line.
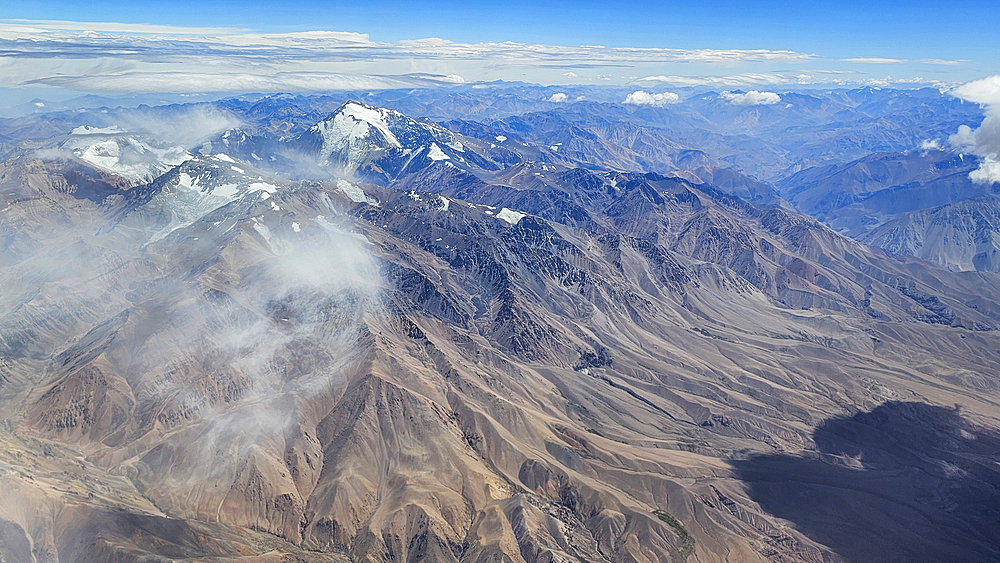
column 960, row 236
column 855, row 197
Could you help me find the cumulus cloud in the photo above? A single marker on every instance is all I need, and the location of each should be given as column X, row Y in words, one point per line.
column 643, row 98
column 983, row 141
column 558, row 97
column 751, row 98
column 930, row 145
column 984, row 92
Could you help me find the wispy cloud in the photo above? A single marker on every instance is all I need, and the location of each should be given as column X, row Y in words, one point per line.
column 147, row 58
column 945, row 62
column 39, row 26
column 37, row 39
column 756, row 79
column 731, row 80
column 113, row 57
column 873, row 60
column 180, row 82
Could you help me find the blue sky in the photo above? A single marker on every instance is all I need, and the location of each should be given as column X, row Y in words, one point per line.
column 849, row 28
column 259, row 46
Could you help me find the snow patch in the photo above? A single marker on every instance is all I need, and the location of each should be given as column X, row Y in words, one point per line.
column 295, row 227
column 226, row 191
column 224, row 158
column 445, row 202
column 262, row 187
column 435, row 153
column 511, row 216
column 356, row 194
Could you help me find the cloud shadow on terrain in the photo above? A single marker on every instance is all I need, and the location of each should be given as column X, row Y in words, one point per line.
column 904, row 482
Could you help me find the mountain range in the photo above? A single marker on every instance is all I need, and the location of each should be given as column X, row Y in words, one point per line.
column 293, row 330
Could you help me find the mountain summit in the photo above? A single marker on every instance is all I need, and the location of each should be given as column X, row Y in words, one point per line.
column 379, row 145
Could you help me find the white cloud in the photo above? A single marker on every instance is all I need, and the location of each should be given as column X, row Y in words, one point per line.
column 739, row 80
column 751, row 98
column 930, row 145
column 642, row 98
column 941, row 62
column 38, row 26
column 558, row 97
column 117, row 57
column 133, row 58
column 984, row 92
column 175, row 82
column 872, row 60
column 988, row 171
column 984, row 141
column 963, row 138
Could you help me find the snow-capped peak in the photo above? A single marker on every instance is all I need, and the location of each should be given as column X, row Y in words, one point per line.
column 357, row 128
column 379, row 145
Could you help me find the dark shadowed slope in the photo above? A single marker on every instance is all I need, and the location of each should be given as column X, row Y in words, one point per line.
column 904, row 482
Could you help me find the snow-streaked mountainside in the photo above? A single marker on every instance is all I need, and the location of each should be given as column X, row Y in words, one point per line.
column 191, row 190
column 124, row 155
column 524, row 331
